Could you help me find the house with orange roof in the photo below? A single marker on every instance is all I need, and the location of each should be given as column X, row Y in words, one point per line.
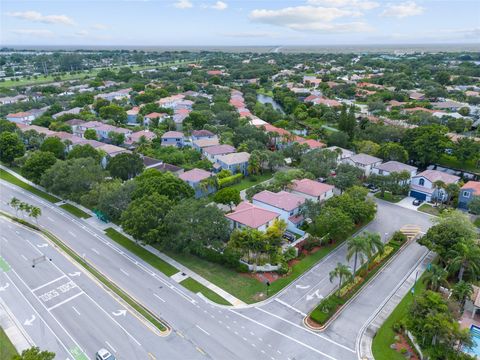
column 468, row 192
column 247, row 215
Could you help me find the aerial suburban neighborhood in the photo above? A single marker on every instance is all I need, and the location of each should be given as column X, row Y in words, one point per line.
column 239, row 200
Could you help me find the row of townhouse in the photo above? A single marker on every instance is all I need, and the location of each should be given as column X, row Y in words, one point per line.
column 26, row 117
column 268, row 206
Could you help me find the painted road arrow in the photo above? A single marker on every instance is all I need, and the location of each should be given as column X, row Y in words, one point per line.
column 119, row 313
column 42, row 245
column 316, row 293
column 29, row 322
column 302, row 286
column 78, row 273
column 3, row 288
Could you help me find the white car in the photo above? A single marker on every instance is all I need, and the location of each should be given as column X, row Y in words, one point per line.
column 104, row 354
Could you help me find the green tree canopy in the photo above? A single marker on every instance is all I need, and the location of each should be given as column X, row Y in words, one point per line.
column 36, row 164
column 55, row 146
column 11, row 147
column 125, row 166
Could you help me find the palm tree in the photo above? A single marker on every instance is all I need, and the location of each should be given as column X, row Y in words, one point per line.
column 374, row 245
column 341, row 272
column 24, row 207
column 466, row 257
column 357, row 248
column 15, row 203
column 35, row 212
column 461, row 291
column 439, row 184
column 435, row 277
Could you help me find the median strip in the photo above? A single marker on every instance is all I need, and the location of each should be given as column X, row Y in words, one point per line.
column 75, row 211
column 134, row 304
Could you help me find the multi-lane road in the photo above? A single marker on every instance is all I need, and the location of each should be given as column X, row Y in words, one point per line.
column 270, row 330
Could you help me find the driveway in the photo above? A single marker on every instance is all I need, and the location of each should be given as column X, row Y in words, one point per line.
column 407, row 203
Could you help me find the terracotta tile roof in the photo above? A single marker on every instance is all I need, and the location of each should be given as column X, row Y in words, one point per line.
column 195, row 175
column 282, row 200
column 219, row 149
column 435, row 175
column 475, row 185
column 205, row 143
column 200, row 133
column 364, row 159
column 234, row 158
column 310, row 187
column 172, row 134
column 252, row 216
column 395, row 166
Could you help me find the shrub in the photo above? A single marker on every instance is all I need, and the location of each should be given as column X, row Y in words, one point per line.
column 283, row 269
column 230, row 180
column 290, row 254
column 350, row 285
column 398, row 237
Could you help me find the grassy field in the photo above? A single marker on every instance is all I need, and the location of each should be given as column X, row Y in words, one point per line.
column 452, row 162
column 139, row 308
column 67, row 76
column 5, row 175
column 7, row 350
column 429, row 209
column 75, row 211
column 389, row 197
column 252, row 180
column 195, row 287
column 385, row 335
column 138, row 250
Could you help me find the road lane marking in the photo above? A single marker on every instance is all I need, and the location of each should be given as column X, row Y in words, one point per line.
column 123, row 271
column 24, row 257
column 290, row 307
column 285, row 335
column 48, row 283
column 200, row 351
column 65, row 301
column 75, row 309
column 110, row 346
column 71, row 233
column 202, row 330
column 309, row 331
column 158, row 297
column 95, row 251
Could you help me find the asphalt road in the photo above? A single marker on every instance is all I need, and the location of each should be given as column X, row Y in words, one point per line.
column 272, row 330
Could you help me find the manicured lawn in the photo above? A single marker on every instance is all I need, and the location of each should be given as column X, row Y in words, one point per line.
column 5, row 175
column 84, row 74
column 429, row 209
column 75, row 211
column 194, row 286
column 7, row 350
column 265, row 92
column 251, row 180
column 452, row 162
column 239, row 285
column 389, row 197
column 385, row 335
column 138, row 250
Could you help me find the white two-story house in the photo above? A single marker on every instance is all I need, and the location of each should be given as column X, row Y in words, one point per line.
column 364, row 162
column 423, row 186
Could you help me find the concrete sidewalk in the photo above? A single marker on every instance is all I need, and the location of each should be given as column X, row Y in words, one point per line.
column 365, row 339
column 13, row 329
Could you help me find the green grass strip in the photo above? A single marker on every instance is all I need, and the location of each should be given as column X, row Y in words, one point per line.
column 7, row 350
column 5, row 175
column 147, row 314
column 141, row 252
column 194, row 286
column 385, row 336
column 75, row 211
column 78, row 354
column 4, row 266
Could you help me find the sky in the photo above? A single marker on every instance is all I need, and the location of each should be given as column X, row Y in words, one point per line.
column 238, row 22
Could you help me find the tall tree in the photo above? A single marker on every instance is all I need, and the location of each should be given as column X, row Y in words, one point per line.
column 55, row 146
column 11, row 147
column 341, row 271
column 125, row 166
column 36, row 164
column 357, row 248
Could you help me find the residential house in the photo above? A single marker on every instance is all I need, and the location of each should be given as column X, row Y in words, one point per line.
column 173, row 138
column 202, row 134
column 213, row 152
column 12, row 99
column 151, row 163
column 312, row 190
column 415, row 95
column 202, row 144
column 103, row 131
column 115, row 95
column 74, row 111
column 364, row 162
column 22, row 117
column 132, row 115
column 423, row 186
column 284, row 203
column 235, row 162
column 247, row 215
column 147, row 119
column 342, row 153
column 195, row 177
column 467, row 193
column 390, row 167
column 136, row 137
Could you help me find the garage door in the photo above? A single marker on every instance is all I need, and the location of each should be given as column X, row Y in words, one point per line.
column 418, row 195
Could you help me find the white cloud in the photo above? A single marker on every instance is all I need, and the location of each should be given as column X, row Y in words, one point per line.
column 99, row 26
column 354, row 4
column 183, row 4
column 402, row 10
column 219, row 5
column 311, row 18
column 35, row 16
column 41, row 33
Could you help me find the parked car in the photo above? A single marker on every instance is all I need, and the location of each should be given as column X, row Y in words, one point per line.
column 289, row 236
column 417, row 202
column 373, row 189
column 104, row 354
